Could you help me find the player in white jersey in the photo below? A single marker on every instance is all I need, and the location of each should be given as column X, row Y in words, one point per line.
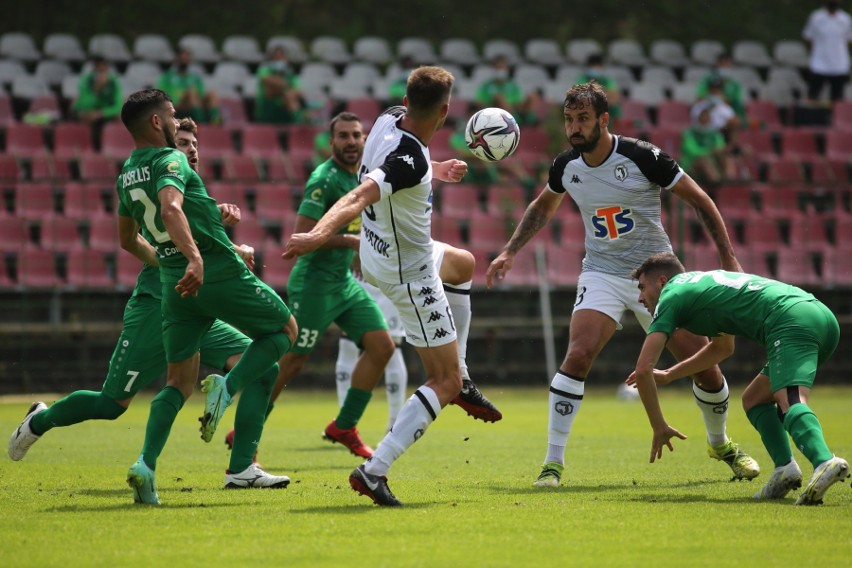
column 396, row 250
column 616, row 183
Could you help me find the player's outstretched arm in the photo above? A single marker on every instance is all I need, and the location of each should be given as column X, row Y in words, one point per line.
column 687, row 189
column 133, row 242
column 177, row 226
column 347, row 208
column 451, row 171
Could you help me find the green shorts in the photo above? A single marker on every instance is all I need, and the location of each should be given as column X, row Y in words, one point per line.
column 139, row 357
column 802, row 339
column 244, row 302
column 352, row 309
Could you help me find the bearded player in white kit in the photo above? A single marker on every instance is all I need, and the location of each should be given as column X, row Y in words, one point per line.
column 397, row 256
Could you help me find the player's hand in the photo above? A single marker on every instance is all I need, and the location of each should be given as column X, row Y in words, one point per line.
column 246, row 253
column 301, row 244
column 450, row 171
column 230, row 213
column 661, row 377
column 192, row 279
column 498, row 268
column 663, row 438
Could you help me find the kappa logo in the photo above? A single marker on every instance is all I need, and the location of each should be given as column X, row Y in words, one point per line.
column 426, row 291
column 575, row 179
column 408, row 160
column 428, row 301
column 655, row 151
column 435, row 316
column 621, row 172
column 564, row 408
column 440, row 333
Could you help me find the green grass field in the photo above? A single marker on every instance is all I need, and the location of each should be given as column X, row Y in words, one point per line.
column 466, row 486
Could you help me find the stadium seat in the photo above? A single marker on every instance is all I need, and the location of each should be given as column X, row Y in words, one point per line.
column 52, row 71
column 666, row 139
column 232, row 74
column 838, row 145
column 116, row 142
column 789, row 76
column 765, row 113
column 9, row 69
column 300, row 142
column 532, row 77
column 524, row 272
column 791, row 52
column 543, row 51
column 103, row 234
column 293, row 47
column 659, row 74
column 784, row 170
column 330, row 49
column 706, row 51
column 37, row 268
column 251, row 232
column 275, row 271
column 242, row 48
column 71, row 139
column 685, row 93
column 494, row 48
column 201, row 46
column 579, row 50
column 10, row 171
column 488, row 231
column 65, row 47
column 505, row 200
column 367, row 109
column 372, row 49
column 144, row 74
column 829, row 171
column 751, row 53
column 360, row 74
column 673, row 114
column 19, row 46
column 153, row 47
column 761, row 233
column 7, row 114
column 735, row 201
column 651, row 94
column 459, row 51
column 759, row 143
column 439, row 146
column 798, row 144
column 60, row 234
column 418, row 48
column 111, row 47
column 458, row 200
column 781, row 94
column 841, row 116
column 627, row 52
column 87, row 269
column 233, row 111
column 35, row 200
column 635, row 113
column 47, row 167
column 240, row 167
column 780, row 201
column 564, row 262
column 127, row 269
column 750, row 80
column 534, row 146
column 98, row 168
column 316, row 78
column 83, row 200
column 797, row 267
column 28, row 87
column 216, row 142
column 260, row 140
column 668, row 52
column 808, row 232
column 14, row 234
column 274, row 203
column 446, row 230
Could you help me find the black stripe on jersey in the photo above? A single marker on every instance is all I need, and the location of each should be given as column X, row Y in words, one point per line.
column 554, row 178
column 425, row 402
column 395, row 240
column 405, row 166
column 416, row 311
column 654, row 164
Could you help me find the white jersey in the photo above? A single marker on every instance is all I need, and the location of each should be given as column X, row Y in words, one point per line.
column 396, row 231
column 619, row 201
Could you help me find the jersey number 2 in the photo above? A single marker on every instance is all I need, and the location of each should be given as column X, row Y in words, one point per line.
column 150, row 215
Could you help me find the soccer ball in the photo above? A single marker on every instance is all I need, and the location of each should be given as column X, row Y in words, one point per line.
column 492, row 134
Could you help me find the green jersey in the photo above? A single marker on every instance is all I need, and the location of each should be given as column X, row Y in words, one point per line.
column 176, row 83
column 145, row 173
column 724, row 303
column 148, row 282
column 325, row 271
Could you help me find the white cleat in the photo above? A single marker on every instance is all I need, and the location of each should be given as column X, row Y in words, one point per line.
column 23, row 438
column 783, row 480
column 825, row 475
column 255, row 478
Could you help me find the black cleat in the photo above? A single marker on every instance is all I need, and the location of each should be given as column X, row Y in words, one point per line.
column 475, row 404
column 373, row 486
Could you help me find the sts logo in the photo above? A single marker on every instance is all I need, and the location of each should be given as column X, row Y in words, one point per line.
column 612, row 222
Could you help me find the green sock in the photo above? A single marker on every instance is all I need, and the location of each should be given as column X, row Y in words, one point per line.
column 256, row 361
column 77, row 407
column 249, row 420
column 164, row 409
column 353, row 408
column 765, row 420
column 804, row 428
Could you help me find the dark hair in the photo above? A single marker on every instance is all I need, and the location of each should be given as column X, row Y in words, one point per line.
column 140, row 105
column 344, row 116
column 188, row 125
column 660, row 263
column 427, row 89
column 587, row 94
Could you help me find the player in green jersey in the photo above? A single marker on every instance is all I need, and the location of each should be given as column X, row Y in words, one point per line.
column 159, row 191
column 799, row 334
column 139, row 358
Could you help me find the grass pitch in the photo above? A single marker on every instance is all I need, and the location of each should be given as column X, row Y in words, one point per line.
column 466, row 486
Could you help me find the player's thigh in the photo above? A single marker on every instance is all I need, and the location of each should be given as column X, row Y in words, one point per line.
column 139, row 357
column 455, row 265
column 185, row 321
column 314, row 313
column 220, row 343
column 607, row 294
column 424, row 311
column 389, row 311
column 362, row 314
column 247, row 303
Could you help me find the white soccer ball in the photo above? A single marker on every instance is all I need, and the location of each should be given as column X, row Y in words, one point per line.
column 626, row 392
column 492, row 134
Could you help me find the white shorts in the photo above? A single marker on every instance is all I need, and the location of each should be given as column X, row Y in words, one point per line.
column 388, row 310
column 423, row 310
column 612, row 296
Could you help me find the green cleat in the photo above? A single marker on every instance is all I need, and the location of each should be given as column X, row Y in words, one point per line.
column 551, row 473
column 743, row 466
column 218, row 400
column 140, row 478
column 825, row 475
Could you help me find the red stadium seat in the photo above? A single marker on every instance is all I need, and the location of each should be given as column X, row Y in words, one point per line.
column 798, row 144
column 841, row 115
column 274, row 202
column 779, row 201
column 84, row 200
column 275, row 271
column 458, row 200
column 10, row 171
column 762, row 234
column 103, row 234
column 215, row 142
column 673, row 114
column 35, row 200
column 116, row 142
column 7, row 113
column 765, row 112
column 666, row 139
column 829, row 171
column 37, row 269
column 487, row 231
column 524, row 272
column 837, row 267
column 250, row 232
column 798, row 267
column 368, row 110
column 439, row 147
column 735, row 201
column 505, row 200
column 564, row 263
column 98, row 168
column 808, row 233
column 785, row 170
column 87, row 269
column 25, row 140
column 60, row 234
column 534, row 146
column 233, row 112
column 260, row 141
column 127, row 269
column 838, row 145
column 72, row 139
column 634, row 114
column 46, row 167
column 241, row 168
column 14, row 234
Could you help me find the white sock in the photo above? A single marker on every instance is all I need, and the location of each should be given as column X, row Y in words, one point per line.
column 566, row 394
column 347, row 355
column 714, row 410
column 396, row 381
column 417, row 414
column 458, row 296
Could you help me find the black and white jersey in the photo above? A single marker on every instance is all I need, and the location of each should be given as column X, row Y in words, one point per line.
column 396, row 231
column 619, row 201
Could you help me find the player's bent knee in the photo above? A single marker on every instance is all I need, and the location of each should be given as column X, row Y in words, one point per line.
column 109, row 409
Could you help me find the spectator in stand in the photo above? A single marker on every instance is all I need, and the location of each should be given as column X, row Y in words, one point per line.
column 279, row 99
column 504, row 92
column 99, row 96
column 595, row 72
column 702, row 150
column 187, row 90
column 732, row 91
column 828, row 33
column 396, row 89
column 723, row 117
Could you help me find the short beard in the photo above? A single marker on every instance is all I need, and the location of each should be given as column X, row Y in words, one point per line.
column 590, row 143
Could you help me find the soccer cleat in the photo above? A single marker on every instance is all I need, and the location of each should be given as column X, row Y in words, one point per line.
column 140, row 478
column 551, row 473
column 349, row 438
column 218, row 400
column 373, row 486
column 783, row 480
column 825, row 475
column 475, row 404
column 23, row 438
column 743, row 466
column 229, row 440
column 254, row 477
